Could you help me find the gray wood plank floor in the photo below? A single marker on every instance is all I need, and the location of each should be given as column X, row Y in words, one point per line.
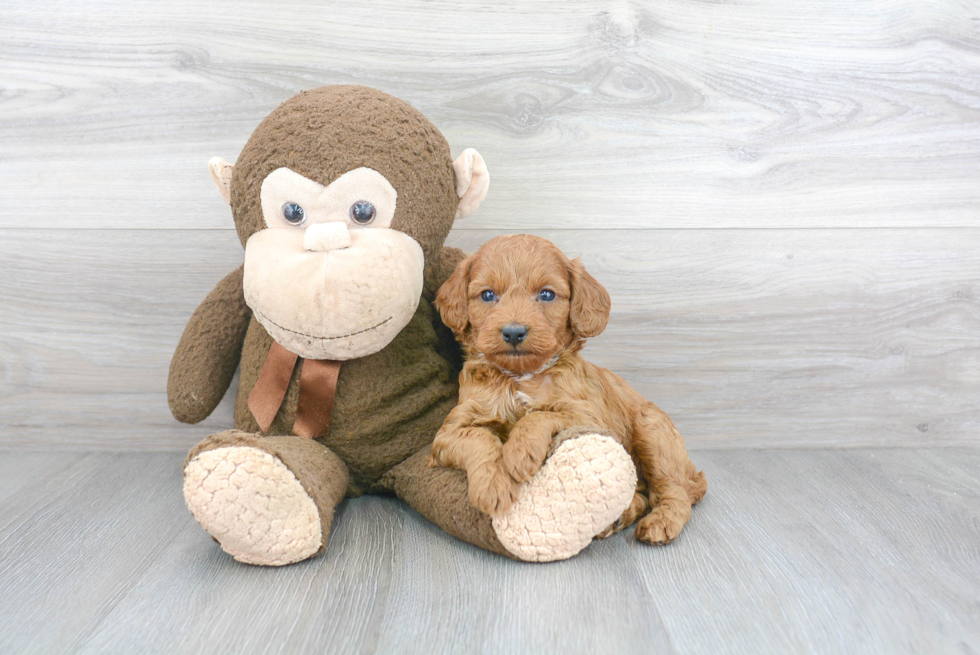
column 792, row 551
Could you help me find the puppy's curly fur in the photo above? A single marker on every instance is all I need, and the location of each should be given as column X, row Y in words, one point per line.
column 522, row 386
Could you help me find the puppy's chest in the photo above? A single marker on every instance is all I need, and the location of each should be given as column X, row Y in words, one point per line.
column 520, row 397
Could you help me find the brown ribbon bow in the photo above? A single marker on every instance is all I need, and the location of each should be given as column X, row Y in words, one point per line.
column 317, row 386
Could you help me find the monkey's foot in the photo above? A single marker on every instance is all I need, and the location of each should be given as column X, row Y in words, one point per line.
column 252, row 505
column 585, row 485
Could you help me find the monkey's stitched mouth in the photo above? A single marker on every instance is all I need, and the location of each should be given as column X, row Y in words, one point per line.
column 264, row 318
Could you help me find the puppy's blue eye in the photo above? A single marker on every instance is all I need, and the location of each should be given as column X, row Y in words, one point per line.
column 546, row 295
column 488, row 296
column 293, row 213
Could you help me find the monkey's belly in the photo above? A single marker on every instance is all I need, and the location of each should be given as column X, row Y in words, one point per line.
column 388, row 408
column 387, row 405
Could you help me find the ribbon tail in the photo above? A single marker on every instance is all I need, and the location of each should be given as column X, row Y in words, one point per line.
column 267, row 395
column 317, row 387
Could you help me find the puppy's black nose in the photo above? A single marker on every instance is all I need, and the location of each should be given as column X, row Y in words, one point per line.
column 514, row 333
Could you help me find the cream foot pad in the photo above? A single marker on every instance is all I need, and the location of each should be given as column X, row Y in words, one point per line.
column 253, row 505
column 586, row 484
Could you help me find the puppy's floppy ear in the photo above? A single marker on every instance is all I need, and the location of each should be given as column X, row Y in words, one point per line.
column 452, row 299
column 589, row 310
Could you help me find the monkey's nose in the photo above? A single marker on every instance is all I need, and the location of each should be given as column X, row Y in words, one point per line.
column 321, row 237
column 514, row 333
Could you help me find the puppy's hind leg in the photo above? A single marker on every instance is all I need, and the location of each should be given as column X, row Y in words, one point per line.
column 675, row 485
column 697, row 486
column 639, row 506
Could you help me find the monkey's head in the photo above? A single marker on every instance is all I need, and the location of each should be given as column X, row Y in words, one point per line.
column 343, row 197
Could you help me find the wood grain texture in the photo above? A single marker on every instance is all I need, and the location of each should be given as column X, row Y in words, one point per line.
column 747, row 338
column 612, row 127
column 88, row 323
column 91, row 522
column 781, row 197
column 870, row 551
column 603, row 113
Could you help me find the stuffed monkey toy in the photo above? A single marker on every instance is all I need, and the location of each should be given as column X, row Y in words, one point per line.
column 343, row 197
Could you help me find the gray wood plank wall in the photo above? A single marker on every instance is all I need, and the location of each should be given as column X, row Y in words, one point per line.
column 782, row 198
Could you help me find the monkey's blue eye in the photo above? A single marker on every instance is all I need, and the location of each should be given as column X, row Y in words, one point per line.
column 293, row 213
column 362, row 212
column 488, row 296
column 546, row 295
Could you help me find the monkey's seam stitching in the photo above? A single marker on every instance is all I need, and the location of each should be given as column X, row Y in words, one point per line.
column 310, row 336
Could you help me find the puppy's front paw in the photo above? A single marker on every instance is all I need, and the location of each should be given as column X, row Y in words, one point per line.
column 492, row 491
column 520, row 461
column 436, row 456
column 660, row 526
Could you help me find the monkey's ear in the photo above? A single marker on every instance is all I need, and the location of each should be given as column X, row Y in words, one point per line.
column 452, row 300
column 472, row 181
column 221, row 174
column 589, row 310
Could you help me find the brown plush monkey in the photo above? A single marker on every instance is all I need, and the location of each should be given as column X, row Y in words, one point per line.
column 342, row 197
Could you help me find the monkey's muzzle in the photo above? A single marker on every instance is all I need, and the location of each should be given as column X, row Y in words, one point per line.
column 333, row 303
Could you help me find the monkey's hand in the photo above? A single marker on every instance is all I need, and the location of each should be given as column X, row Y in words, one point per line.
column 207, row 355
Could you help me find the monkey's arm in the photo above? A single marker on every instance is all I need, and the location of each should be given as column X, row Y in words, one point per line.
column 208, row 353
column 449, row 258
column 440, row 271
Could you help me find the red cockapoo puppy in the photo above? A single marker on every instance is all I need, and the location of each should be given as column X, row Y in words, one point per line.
column 522, row 311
